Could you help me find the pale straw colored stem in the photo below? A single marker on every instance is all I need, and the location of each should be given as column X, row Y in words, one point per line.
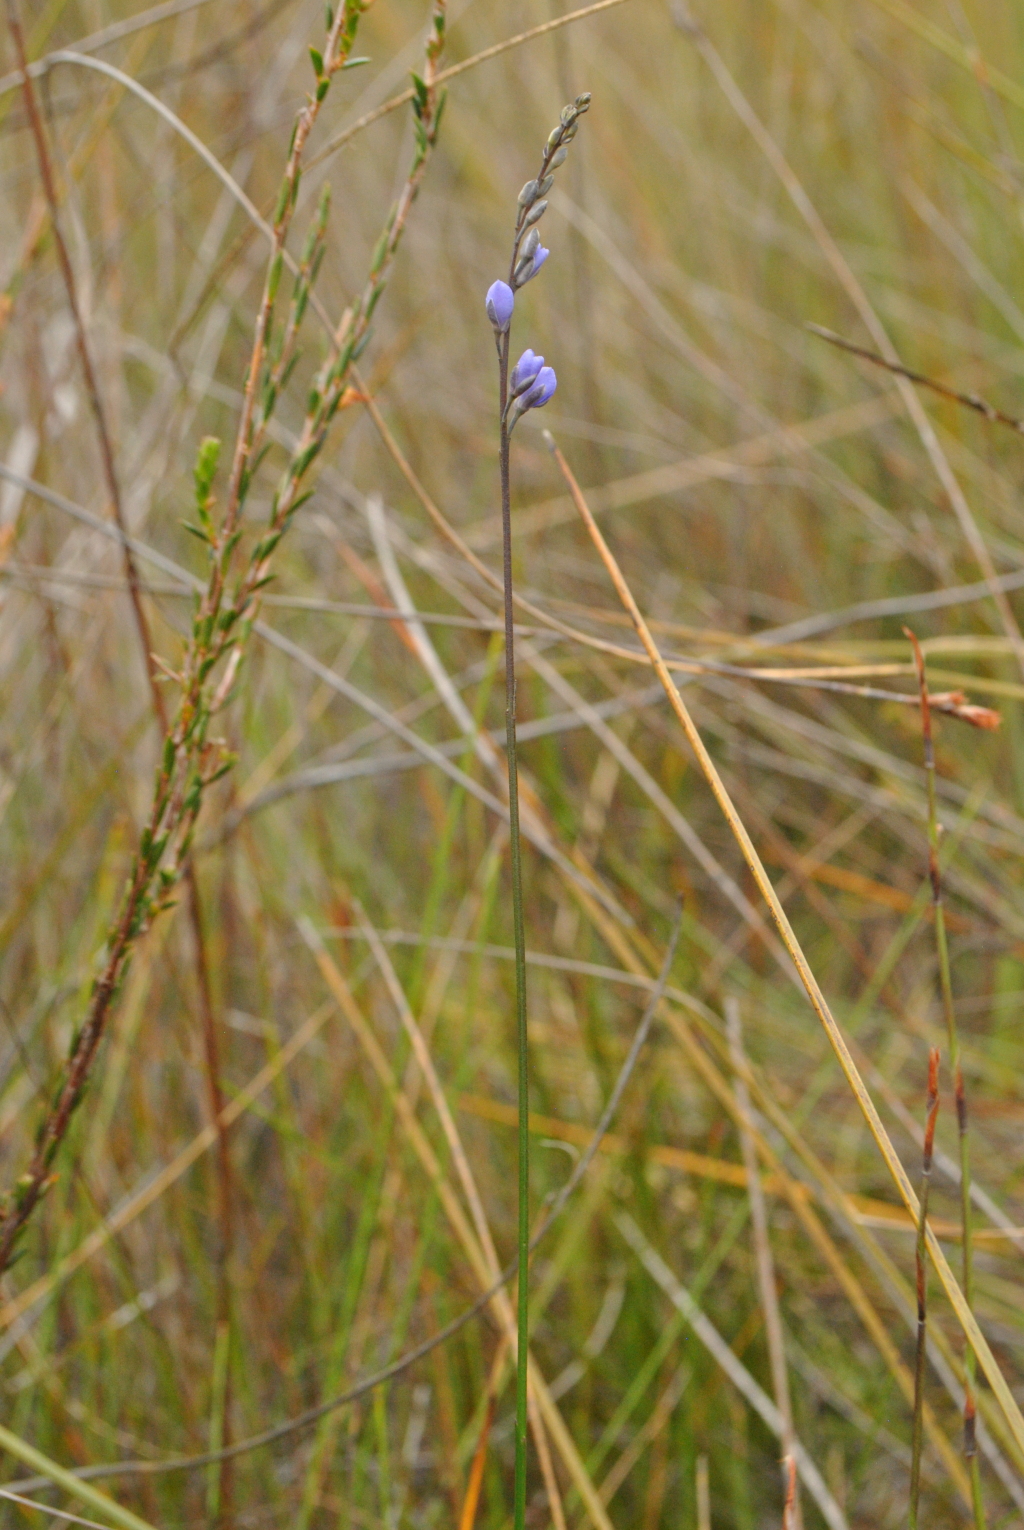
column 965, row 1316
column 765, row 1264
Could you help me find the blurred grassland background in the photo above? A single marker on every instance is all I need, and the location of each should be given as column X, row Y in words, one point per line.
column 750, row 478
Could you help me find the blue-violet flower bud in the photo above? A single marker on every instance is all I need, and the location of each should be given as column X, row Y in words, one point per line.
column 527, row 269
column 535, row 397
column 542, row 389
column 524, row 373
column 500, row 302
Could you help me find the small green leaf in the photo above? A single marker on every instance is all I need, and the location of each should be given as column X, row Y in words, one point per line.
column 380, row 250
column 282, row 201
column 275, row 276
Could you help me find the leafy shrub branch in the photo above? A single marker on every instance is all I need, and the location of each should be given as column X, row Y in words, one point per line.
column 192, row 758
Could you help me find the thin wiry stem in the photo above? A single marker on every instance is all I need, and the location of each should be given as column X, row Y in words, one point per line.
column 969, row 400
column 956, row 1067
column 921, row 1268
column 790, row 1508
column 85, row 358
column 519, row 936
column 224, row 1190
column 529, row 210
column 765, row 1268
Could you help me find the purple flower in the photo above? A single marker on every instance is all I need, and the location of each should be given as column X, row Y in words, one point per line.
column 524, row 373
column 542, row 389
column 535, row 395
column 532, row 256
column 538, row 260
column 500, row 302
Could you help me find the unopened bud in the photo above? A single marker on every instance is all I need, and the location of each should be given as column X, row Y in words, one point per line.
column 499, row 303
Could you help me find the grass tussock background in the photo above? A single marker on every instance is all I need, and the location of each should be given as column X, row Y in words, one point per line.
column 774, row 506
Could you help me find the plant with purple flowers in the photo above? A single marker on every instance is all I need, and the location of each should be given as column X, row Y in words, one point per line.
column 530, row 386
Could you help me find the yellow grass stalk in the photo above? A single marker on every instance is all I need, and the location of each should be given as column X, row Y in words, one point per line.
column 965, row 1317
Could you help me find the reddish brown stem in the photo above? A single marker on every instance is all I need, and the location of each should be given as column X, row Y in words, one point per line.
column 789, row 1463
column 921, row 1270
column 946, row 987
column 85, row 358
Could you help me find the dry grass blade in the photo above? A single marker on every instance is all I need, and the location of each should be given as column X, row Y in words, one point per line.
column 734, row 1369
column 544, row 1412
column 62, row 1516
column 969, row 400
column 100, row 1502
column 965, row 1316
column 467, row 1518
column 855, row 293
column 921, row 1272
column 765, row 1271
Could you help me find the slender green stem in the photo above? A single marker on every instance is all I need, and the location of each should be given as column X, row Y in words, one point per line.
column 956, row 1067
column 921, row 1262
column 520, row 945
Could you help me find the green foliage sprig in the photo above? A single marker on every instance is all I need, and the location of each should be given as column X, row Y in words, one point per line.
column 192, row 759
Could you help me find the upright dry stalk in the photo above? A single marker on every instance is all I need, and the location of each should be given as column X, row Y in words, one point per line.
column 106, row 446
column 765, row 1262
column 224, row 1199
column 529, row 386
column 921, row 1269
column 703, row 1494
column 956, row 1067
column 789, row 1509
